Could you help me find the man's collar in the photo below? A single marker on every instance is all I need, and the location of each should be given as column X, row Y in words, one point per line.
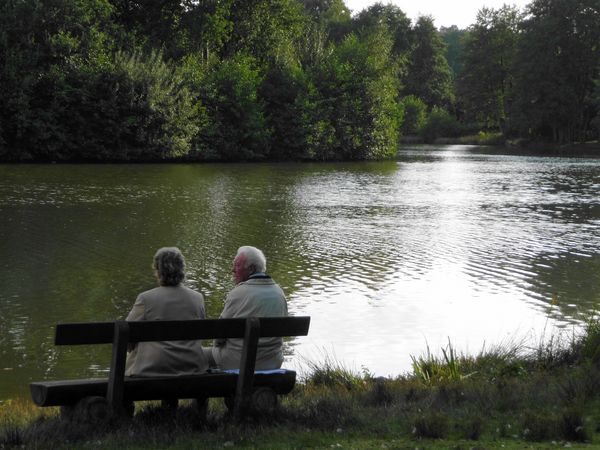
column 258, row 275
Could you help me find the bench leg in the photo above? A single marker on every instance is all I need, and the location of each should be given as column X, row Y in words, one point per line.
column 201, row 406
column 67, row 412
column 169, row 404
column 229, row 402
column 129, row 408
column 264, row 400
column 92, row 410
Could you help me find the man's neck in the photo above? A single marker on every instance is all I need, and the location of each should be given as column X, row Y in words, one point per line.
column 258, row 275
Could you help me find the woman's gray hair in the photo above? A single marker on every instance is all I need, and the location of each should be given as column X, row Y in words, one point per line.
column 253, row 256
column 169, row 263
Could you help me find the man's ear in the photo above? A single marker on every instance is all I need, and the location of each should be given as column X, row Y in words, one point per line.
column 251, row 269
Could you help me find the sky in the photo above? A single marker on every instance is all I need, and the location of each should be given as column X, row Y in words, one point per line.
column 461, row 13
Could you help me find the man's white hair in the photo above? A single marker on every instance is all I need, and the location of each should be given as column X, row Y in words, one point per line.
column 253, row 256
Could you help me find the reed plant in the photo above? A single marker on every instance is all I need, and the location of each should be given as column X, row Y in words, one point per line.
column 329, row 371
column 431, row 369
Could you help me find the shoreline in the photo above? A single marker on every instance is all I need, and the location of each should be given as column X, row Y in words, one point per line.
column 587, row 149
column 501, row 398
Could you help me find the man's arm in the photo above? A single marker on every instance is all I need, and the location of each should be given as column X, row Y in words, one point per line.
column 227, row 313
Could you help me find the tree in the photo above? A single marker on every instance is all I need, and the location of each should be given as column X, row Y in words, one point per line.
column 44, row 47
column 331, row 17
column 150, row 24
column 206, row 27
column 428, row 75
column 455, row 39
column 392, row 19
column 237, row 127
column 439, row 123
column 486, row 84
column 155, row 106
column 351, row 112
column 557, row 62
column 415, row 114
column 284, row 91
column 265, row 29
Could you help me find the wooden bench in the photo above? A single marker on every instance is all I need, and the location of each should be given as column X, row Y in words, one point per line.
column 119, row 390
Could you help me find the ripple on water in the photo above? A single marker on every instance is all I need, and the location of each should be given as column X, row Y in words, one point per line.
column 385, row 257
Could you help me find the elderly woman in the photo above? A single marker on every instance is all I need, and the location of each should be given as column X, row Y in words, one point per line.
column 170, row 301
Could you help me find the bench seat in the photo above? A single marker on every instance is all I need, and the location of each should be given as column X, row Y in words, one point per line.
column 68, row 392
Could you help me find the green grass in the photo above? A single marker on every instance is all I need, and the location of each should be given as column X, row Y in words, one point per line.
column 505, row 397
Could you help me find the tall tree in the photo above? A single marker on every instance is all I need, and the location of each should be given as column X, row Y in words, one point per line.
column 206, row 27
column 392, row 19
column 454, row 39
column 486, row 85
column 284, row 91
column 237, row 127
column 352, row 109
column 331, row 17
column 266, row 29
column 44, row 45
column 429, row 77
column 151, row 24
column 557, row 62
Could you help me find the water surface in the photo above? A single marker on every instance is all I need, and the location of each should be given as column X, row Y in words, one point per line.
column 388, row 258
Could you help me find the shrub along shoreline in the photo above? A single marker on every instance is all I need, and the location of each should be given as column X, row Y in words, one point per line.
column 506, row 397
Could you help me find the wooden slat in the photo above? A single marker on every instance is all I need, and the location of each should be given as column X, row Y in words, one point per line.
column 284, row 326
column 102, row 332
column 56, row 393
column 186, row 329
column 84, row 333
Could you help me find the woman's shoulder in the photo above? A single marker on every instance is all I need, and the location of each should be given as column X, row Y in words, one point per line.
column 191, row 291
column 161, row 291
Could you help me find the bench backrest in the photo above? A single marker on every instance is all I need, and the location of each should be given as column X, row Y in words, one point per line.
column 166, row 330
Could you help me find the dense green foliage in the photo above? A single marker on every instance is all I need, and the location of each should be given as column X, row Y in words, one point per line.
column 118, row 80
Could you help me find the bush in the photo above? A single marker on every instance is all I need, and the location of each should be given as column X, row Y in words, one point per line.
column 472, row 427
column 325, row 408
column 439, row 123
column 380, row 393
column 573, row 427
column 155, row 107
column 590, row 342
column 432, row 424
column 415, row 113
column 237, row 126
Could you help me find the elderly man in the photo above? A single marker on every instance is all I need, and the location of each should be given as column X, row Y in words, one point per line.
column 255, row 295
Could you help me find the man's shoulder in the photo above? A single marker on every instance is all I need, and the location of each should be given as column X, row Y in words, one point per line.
column 252, row 289
column 264, row 280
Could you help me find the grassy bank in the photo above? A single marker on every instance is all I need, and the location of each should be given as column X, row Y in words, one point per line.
column 508, row 397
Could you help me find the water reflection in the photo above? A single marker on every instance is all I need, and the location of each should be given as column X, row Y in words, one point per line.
column 386, row 257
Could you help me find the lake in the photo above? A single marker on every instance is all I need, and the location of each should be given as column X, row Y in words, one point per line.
column 389, row 258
